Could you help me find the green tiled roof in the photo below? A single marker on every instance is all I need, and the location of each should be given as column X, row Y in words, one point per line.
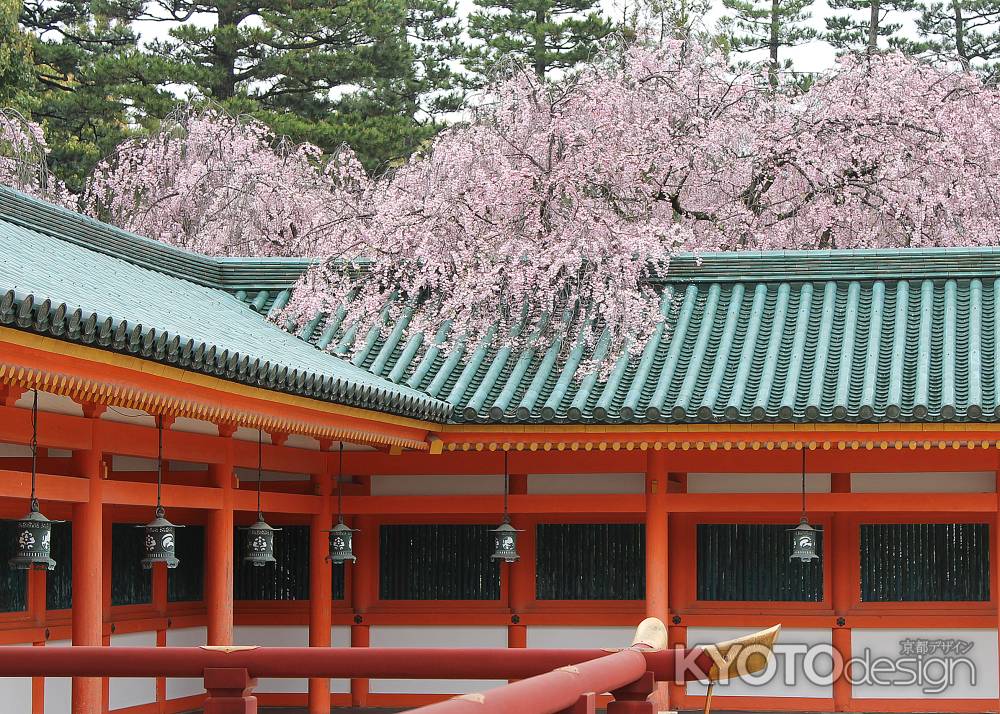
column 63, row 279
column 747, row 348
column 802, row 336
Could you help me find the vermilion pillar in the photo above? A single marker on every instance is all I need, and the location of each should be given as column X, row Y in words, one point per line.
column 657, row 483
column 520, row 575
column 839, row 551
column 219, row 549
column 320, row 588
column 88, row 573
column 364, row 583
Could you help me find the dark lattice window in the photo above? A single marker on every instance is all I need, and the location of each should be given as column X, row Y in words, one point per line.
column 287, row 579
column 130, row 583
column 590, row 561
column 920, row 562
column 749, row 562
column 186, row 582
column 13, row 583
column 437, row 562
column 338, row 581
column 59, row 582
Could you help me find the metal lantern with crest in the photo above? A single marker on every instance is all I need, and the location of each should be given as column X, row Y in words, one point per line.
column 805, row 538
column 505, row 535
column 258, row 539
column 341, row 547
column 160, row 535
column 33, row 545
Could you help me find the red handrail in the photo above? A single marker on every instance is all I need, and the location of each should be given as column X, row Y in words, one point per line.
column 380, row 663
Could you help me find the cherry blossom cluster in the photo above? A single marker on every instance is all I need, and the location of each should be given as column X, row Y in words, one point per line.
column 23, row 159
column 545, row 222
column 224, row 185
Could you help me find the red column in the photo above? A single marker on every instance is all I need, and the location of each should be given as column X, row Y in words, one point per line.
column 657, row 483
column 520, row 575
column 219, row 549
column 88, row 572
column 842, row 574
column 364, row 587
column 320, row 587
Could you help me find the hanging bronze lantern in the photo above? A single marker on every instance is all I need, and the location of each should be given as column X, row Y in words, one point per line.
column 505, row 535
column 258, row 540
column 804, row 536
column 160, row 542
column 160, row 535
column 505, row 542
column 341, row 544
column 33, row 544
column 341, row 547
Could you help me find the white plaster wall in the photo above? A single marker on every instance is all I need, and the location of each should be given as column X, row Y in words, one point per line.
column 50, row 403
column 586, row 483
column 340, row 636
column 14, row 450
column 15, row 692
column 247, row 434
column 952, row 482
column 275, row 636
column 58, row 690
column 194, row 426
column 757, row 483
column 301, row 441
column 60, row 453
column 436, row 485
column 785, row 677
column 964, row 685
column 249, row 475
column 189, row 466
column 132, row 691
column 132, row 463
column 185, row 637
column 444, row 636
column 127, row 416
column 559, row 637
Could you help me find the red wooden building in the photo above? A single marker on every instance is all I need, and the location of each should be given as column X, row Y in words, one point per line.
column 662, row 490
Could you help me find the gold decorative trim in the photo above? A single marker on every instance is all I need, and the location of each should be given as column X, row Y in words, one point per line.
column 87, row 390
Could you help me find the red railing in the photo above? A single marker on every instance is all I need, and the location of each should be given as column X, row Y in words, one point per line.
column 551, row 680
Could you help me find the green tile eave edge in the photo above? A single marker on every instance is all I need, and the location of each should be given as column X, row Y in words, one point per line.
column 233, row 274
column 344, row 390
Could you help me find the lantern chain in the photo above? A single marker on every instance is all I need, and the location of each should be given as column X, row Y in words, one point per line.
column 260, row 466
column 34, row 449
column 159, row 467
column 340, row 485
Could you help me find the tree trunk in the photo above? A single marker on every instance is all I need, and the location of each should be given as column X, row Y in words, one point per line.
column 873, row 22
column 773, row 43
column 224, row 81
column 540, row 41
column 960, row 33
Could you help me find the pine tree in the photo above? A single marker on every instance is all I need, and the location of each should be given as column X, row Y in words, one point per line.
column 91, row 83
column 864, row 23
column 770, row 25
column 544, row 35
column 15, row 56
column 963, row 31
column 326, row 73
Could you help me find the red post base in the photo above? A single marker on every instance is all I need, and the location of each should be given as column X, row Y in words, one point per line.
column 229, row 691
column 633, row 699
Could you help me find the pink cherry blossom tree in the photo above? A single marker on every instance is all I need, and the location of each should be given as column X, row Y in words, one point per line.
column 23, row 163
column 554, row 210
column 224, row 185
